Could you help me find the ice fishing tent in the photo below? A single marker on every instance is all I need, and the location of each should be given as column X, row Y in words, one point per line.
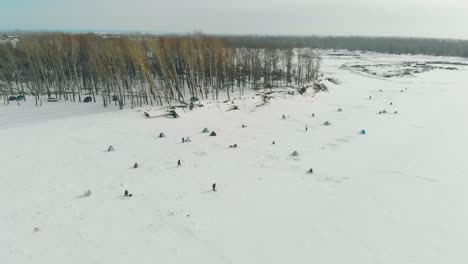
column 295, row 154
column 213, row 134
column 362, row 132
column 327, row 123
column 111, row 148
column 340, row 110
column 188, row 139
column 205, row 130
column 162, row 135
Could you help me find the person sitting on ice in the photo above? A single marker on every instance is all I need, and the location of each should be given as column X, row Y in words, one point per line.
column 146, row 115
column 284, row 117
column 135, row 166
column 179, row 164
column 126, row 194
column 310, row 171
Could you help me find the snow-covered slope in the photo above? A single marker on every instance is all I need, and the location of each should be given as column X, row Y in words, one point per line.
column 394, row 195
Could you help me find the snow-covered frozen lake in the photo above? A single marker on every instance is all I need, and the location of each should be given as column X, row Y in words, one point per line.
column 397, row 194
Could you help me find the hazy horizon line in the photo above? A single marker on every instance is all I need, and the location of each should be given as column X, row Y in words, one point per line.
column 160, row 32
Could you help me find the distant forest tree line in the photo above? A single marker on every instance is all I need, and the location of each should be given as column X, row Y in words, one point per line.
column 149, row 70
column 389, row 45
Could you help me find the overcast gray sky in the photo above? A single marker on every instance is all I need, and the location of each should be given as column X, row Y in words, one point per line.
column 418, row 18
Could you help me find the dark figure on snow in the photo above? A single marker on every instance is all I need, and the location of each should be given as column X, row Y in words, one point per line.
column 244, row 126
column 235, row 146
column 179, row 164
column 284, row 117
column 273, row 143
column 313, row 114
column 391, row 103
column 146, row 115
column 214, row 187
column 183, row 140
column 307, row 128
column 380, row 90
column 135, row 166
column 310, row 171
column 370, row 97
column 126, row 194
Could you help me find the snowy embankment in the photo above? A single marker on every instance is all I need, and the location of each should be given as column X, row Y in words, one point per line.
column 395, row 195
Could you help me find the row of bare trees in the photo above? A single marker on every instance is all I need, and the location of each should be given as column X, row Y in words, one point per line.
column 136, row 71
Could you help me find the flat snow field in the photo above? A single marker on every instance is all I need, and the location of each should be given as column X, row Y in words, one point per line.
column 396, row 195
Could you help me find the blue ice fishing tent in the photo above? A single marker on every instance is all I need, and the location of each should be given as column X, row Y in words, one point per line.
column 363, row 132
column 162, row 135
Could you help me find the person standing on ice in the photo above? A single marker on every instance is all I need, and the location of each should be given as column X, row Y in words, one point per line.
column 307, row 128
column 179, row 164
column 214, row 187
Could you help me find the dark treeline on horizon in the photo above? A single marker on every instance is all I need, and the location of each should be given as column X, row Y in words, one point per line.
column 389, row 45
column 136, row 70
